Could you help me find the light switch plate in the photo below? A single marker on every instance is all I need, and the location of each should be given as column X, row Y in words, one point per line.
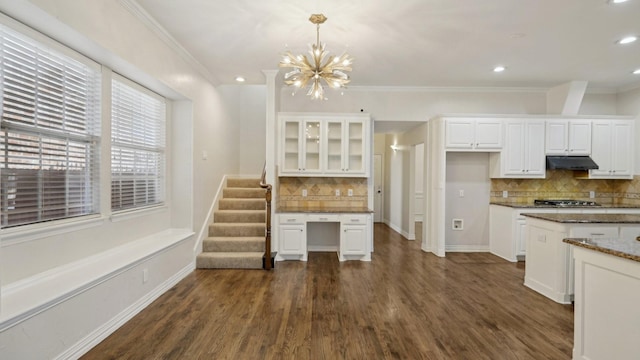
column 304, row 192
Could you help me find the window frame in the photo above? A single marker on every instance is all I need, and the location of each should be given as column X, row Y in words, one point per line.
column 51, row 52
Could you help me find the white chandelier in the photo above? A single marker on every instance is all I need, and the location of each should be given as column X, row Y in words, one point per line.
column 331, row 69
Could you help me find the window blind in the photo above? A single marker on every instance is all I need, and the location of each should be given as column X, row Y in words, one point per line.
column 49, row 135
column 137, row 146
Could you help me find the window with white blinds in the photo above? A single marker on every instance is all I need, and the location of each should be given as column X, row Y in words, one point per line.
column 137, row 146
column 49, row 135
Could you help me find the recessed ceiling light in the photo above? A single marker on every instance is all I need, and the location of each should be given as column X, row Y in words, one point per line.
column 499, row 69
column 617, row 1
column 239, row 79
column 627, row 40
column 636, row 72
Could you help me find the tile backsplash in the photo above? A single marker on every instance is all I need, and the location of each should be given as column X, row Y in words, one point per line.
column 321, row 192
column 562, row 184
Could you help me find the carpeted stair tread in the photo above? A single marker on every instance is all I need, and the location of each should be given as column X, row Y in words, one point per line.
column 242, row 204
column 237, row 229
column 243, row 183
column 236, row 216
column 233, row 244
column 243, row 193
column 229, row 260
column 237, row 235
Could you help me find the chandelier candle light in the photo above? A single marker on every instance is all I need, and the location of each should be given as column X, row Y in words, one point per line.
column 331, row 69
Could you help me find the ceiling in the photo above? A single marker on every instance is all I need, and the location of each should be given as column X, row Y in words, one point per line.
column 425, row 43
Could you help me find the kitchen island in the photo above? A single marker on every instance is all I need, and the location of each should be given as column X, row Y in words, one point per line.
column 507, row 237
column 549, row 266
column 607, row 298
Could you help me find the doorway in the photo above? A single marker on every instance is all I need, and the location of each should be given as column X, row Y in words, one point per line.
column 377, row 188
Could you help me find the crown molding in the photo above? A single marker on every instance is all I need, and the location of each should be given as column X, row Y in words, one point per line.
column 141, row 14
column 451, row 89
column 629, row 87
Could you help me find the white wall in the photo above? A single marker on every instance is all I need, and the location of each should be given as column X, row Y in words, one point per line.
column 468, row 172
column 421, row 104
column 247, row 104
column 109, row 33
column 628, row 103
column 394, row 180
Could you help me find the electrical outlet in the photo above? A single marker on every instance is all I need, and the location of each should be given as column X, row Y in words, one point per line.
column 592, row 194
column 461, row 192
column 350, row 192
column 505, row 194
column 145, row 275
column 457, row 224
column 337, row 192
column 304, row 192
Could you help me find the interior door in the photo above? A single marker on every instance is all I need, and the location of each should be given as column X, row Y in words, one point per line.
column 377, row 188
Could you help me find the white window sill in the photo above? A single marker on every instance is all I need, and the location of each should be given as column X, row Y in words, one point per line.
column 21, row 234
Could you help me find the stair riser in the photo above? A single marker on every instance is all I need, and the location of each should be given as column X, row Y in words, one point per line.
column 222, row 263
column 232, row 246
column 242, row 193
column 227, row 204
column 258, row 217
column 216, row 230
column 243, row 183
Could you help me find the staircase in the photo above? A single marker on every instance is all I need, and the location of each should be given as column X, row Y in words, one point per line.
column 237, row 236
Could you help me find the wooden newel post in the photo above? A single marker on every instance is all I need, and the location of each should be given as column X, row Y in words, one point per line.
column 267, row 244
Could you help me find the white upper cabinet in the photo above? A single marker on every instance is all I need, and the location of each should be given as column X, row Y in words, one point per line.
column 612, row 149
column 568, row 137
column 323, row 145
column 300, row 146
column 468, row 134
column 523, row 155
column 345, row 147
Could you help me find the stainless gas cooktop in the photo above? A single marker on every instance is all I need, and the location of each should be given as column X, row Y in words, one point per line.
column 563, row 202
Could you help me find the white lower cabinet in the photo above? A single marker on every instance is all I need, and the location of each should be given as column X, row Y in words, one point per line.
column 355, row 237
column 354, row 233
column 292, row 230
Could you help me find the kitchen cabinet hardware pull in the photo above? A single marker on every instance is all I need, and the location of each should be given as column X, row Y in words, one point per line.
column 291, row 220
column 355, row 220
column 597, row 234
column 323, row 219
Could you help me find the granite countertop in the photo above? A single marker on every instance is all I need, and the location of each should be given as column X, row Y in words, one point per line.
column 588, row 218
column 628, row 249
column 528, row 205
column 316, row 209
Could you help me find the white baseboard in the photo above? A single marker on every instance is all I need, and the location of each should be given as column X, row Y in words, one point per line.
column 396, row 228
column 467, row 248
column 323, row 248
column 95, row 337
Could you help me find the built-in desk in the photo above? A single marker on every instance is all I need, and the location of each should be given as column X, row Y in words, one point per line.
column 347, row 231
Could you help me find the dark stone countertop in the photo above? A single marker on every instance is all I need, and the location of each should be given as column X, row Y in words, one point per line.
column 627, row 249
column 528, row 205
column 588, row 218
column 324, row 210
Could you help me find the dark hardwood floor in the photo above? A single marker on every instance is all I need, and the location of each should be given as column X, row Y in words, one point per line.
column 405, row 304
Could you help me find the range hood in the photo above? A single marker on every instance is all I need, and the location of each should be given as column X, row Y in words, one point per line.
column 571, row 163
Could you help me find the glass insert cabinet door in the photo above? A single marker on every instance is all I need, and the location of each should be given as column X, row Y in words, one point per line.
column 312, row 139
column 291, row 160
column 354, row 161
column 334, row 149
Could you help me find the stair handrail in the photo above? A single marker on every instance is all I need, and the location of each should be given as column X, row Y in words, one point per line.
column 267, row 242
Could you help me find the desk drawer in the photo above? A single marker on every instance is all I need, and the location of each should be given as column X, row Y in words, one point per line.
column 323, row 218
column 354, row 219
column 292, row 219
